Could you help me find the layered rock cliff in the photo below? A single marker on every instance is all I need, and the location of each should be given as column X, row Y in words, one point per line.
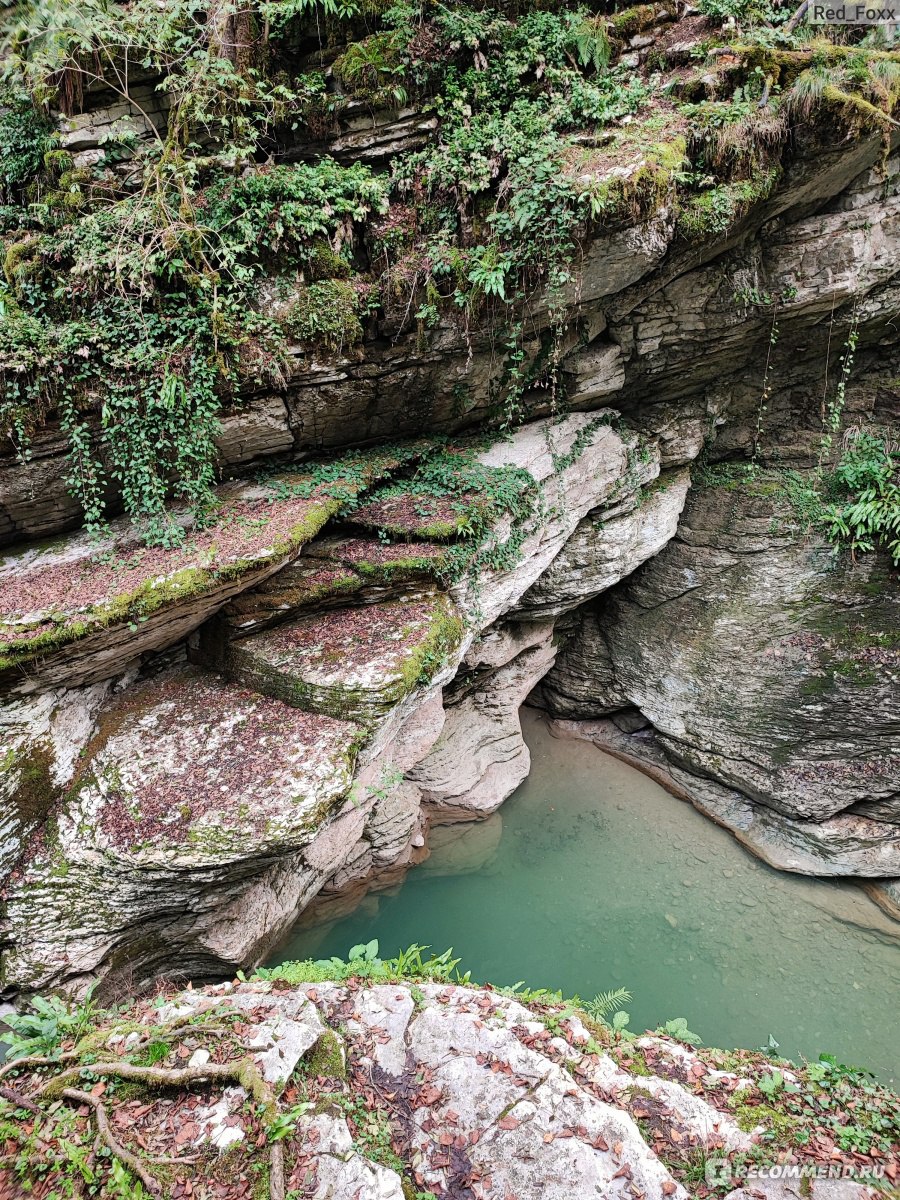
column 330, row 651
column 761, row 676
column 211, row 788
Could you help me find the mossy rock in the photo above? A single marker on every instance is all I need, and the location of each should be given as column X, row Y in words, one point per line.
column 354, row 663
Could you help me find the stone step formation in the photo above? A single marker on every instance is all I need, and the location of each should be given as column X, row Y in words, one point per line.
column 286, row 721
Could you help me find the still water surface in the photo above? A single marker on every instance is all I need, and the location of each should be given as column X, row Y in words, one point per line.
column 592, row 876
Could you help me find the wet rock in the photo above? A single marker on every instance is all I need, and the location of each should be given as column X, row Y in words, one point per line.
column 886, row 893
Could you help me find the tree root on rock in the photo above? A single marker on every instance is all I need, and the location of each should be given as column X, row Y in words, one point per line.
column 17, row 1099
column 244, row 1071
column 131, row 1161
column 276, row 1172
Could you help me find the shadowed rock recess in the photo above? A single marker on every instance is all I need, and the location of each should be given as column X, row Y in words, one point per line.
column 196, row 741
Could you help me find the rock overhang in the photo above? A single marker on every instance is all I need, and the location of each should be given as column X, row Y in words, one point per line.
column 353, row 662
column 61, row 601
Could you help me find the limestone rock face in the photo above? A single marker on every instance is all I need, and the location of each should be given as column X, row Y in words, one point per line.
column 185, row 775
column 454, row 1089
column 771, row 675
column 190, row 806
column 546, row 1126
column 607, row 546
column 480, row 758
column 40, row 740
column 654, row 321
column 346, row 685
column 70, row 613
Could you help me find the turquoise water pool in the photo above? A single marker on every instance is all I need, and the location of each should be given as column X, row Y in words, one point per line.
column 592, row 877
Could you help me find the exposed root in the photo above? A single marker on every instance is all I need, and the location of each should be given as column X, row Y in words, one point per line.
column 31, row 1060
column 276, row 1172
column 16, row 1098
column 244, row 1072
column 131, row 1161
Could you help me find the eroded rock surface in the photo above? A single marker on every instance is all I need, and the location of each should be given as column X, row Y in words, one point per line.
column 771, row 675
column 382, row 1088
column 333, row 706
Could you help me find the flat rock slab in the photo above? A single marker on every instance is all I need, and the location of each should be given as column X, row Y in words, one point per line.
column 418, row 514
column 187, row 767
column 331, row 572
column 333, row 1167
column 353, row 662
column 282, row 1026
column 195, row 794
column 75, row 609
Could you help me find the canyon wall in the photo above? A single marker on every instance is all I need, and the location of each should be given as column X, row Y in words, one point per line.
column 196, row 742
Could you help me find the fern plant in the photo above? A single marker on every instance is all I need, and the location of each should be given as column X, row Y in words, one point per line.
column 592, row 44
column 869, row 472
column 606, row 1009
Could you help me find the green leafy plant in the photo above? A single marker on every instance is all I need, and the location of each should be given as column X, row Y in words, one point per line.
column 678, row 1029
column 868, row 514
column 50, row 1022
column 25, row 137
column 284, row 1124
column 363, row 960
column 604, row 1008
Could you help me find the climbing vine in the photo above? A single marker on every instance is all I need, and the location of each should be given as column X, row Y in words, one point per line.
column 132, row 308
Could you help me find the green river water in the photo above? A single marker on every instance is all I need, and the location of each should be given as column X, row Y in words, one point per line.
column 592, row 876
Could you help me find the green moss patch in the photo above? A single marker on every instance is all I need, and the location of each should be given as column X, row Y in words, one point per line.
column 714, row 212
column 388, row 562
column 328, row 315
column 412, row 514
column 631, row 175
